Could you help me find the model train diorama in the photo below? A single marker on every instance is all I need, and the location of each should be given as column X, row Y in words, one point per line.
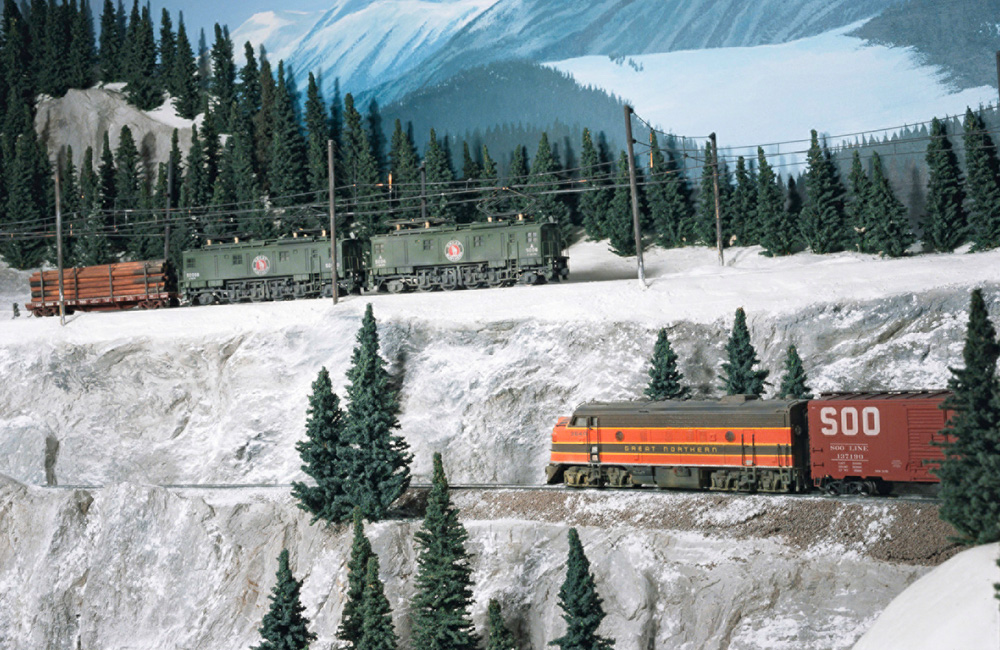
column 843, row 443
column 445, row 257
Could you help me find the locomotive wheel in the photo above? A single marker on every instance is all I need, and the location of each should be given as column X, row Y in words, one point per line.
column 396, row 286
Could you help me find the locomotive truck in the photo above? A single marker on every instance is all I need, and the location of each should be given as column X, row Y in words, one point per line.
column 855, row 443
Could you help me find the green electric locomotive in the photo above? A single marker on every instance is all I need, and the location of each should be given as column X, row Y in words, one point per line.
column 470, row 255
column 278, row 269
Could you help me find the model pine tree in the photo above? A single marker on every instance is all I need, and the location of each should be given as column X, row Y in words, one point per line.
column 793, row 382
column 377, row 632
column 440, row 607
column 670, row 208
column 404, row 165
column 352, row 618
column 318, row 133
column 777, row 232
column 439, row 177
column 738, row 372
column 664, row 377
column 545, row 186
column 618, row 225
column 707, row 228
column 498, row 637
column 183, row 80
column 822, row 218
column 322, row 454
column 982, row 183
column 744, row 203
column 377, row 458
column 970, row 472
column 857, row 212
column 582, row 609
column 284, row 626
column 288, row 173
column 945, row 226
column 889, row 233
column 596, row 197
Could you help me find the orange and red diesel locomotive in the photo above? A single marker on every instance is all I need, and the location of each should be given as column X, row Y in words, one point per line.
column 853, row 443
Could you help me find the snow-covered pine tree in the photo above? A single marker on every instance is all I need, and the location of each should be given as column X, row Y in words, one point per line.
column 970, row 471
column 793, row 382
column 323, row 456
column 377, row 458
column 889, row 233
column 982, row 183
column 498, row 637
column 670, row 208
column 664, row 377
column 945, row 226
column 778, row 234
column 581, row 605
column 285, row 627
column 440, row 608
column 738, row 374
column 822, row 220
column 352, row 616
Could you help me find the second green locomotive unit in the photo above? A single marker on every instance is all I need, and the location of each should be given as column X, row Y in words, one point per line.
column 424, row 259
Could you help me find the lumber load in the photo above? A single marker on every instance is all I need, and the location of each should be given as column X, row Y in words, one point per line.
column 125, row 285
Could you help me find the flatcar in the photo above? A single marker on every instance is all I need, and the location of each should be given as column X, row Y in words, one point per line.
column 466, row 256
column 107, row 287
column 860, row 443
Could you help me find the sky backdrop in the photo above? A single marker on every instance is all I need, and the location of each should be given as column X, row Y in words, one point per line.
column 200, row 14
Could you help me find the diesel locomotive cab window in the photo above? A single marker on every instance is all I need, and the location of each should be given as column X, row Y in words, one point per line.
column 428, row 244
column 579, row 422
column 282, row 256
column 477, row 241
column 237, row 259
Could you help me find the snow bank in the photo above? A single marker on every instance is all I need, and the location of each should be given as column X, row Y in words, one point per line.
column 950, row 608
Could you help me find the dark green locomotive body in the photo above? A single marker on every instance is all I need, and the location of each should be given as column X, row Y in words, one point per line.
column 470, row 255
column 278, row 269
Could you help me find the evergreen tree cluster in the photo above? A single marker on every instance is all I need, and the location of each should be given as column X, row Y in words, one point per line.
column 355, row 457
column 739, row 374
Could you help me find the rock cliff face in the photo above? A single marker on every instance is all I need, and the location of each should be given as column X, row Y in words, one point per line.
column 143, row 567
column 81, row 117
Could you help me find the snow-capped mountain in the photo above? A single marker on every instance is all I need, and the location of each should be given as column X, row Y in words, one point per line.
column 363, row 43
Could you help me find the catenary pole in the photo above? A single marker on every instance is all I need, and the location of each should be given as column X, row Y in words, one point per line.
column 718, row 211
column 998, row 72
column 59, row 250
column 333, row 220
column 170, row 195
column 635, row 195
column 423, row 192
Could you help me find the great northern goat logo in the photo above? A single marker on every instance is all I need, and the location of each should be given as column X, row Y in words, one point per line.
column 454, row 250
column 261, row 265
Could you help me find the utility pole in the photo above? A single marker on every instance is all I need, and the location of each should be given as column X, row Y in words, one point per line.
column 635, row 195
column 998, row 74
column 59, row 251
column 170, row 196
column 333, row 220
column 423, row 193
column 715, row 183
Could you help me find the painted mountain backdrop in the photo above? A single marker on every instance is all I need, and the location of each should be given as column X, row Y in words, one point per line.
column 754, row 72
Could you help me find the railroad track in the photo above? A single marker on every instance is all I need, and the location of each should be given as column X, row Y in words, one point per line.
column 521, row 488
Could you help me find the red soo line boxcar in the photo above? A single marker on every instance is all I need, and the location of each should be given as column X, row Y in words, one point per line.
column 855, row 443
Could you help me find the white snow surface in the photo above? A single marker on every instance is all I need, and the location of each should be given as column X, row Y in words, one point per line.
column 950, row 608
column 776, row 93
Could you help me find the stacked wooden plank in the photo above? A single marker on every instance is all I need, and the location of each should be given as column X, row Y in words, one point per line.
column 147, row 284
